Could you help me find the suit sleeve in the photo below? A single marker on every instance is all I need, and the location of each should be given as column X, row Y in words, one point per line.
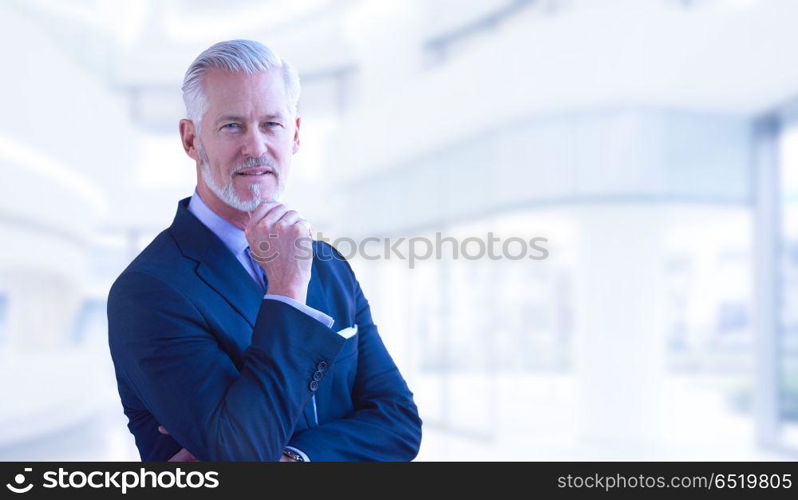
column 385, row 425
column 162, row 345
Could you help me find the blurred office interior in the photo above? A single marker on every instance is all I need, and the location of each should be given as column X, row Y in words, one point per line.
column 653, row 143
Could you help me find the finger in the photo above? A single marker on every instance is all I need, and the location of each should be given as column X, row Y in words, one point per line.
column 288, row 218
column 273, row 215
column 306, row 225
column 256, row 215
column 163, row 430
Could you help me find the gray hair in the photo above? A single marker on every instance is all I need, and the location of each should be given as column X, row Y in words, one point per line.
column 236, row 56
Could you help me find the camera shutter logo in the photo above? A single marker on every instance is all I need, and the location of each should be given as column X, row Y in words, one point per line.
column 19, row 479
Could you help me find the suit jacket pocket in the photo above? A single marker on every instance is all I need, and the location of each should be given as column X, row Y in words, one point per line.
column 349, row 349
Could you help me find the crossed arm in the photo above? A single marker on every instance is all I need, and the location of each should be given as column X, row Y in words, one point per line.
column 163, row 348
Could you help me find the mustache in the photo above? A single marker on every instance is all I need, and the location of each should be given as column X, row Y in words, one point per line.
column 256, row 162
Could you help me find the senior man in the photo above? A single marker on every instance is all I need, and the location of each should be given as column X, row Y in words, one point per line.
column 234, row 335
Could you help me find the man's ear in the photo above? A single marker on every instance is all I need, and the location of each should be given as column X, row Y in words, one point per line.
column 187, row 137
column 296, row 134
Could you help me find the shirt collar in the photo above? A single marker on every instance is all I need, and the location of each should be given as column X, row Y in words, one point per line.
column 232, row 237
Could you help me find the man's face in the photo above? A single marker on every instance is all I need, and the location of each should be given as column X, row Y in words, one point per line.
column 247, row 138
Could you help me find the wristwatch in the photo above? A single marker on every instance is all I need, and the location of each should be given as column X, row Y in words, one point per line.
column 296, row 457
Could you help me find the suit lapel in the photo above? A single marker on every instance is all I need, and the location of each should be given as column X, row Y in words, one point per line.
column 216, row 265
column 222, row 272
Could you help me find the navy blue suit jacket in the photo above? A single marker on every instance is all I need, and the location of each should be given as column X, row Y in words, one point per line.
column 230, row 375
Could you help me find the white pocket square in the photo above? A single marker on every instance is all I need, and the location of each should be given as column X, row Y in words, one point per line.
column 348, row 332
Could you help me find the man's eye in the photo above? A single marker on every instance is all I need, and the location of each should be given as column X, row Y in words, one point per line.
column 273, row 124
column 230, row 126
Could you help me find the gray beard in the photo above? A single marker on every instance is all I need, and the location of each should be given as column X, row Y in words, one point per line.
column 227, row 192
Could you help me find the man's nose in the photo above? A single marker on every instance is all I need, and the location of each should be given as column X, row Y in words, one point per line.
column 255, row 144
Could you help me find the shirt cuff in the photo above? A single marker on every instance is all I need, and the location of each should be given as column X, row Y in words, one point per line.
column 298, row 452
column 313, row 313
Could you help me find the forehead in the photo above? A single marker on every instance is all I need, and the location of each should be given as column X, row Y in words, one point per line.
column 240, row 93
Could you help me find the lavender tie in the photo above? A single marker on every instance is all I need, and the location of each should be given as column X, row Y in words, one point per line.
column 261, row 275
